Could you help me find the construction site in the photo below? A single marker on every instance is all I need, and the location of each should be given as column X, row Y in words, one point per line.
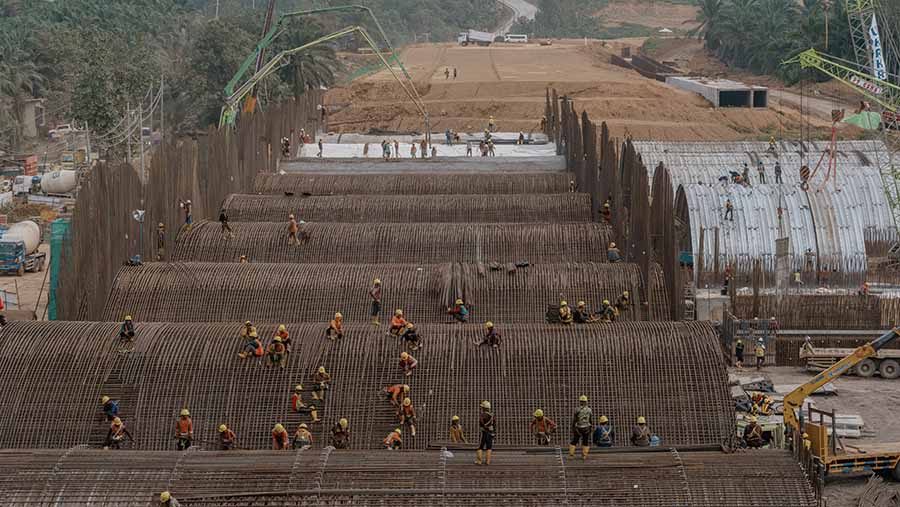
column 540, row 272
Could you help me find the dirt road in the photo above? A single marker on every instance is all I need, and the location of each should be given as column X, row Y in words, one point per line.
column 521, row 9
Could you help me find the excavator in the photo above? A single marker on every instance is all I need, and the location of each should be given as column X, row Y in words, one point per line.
column 870, row 458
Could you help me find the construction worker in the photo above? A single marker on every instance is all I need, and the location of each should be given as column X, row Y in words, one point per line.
column 184, row 430
column 778, row 172
column 321, row 380
column 335, row 329
column 543, row 123
column 542, row 427
column 276, row 353
column 761, row 170
column 606, row 212
column 565, row 313
column 487, row 424
column 582, row 428
column 491, row 336
column 491, row 148
column 407, row 415
column 521, row 139
column 604, row 433
column 285, row 147
column 729, row 210
column 167, row 500
column 760, row 353
column 772, row 145
column 282, row 333
column 412, row 150
column 640, row 433
column 423, row 148
column 227, row 438
column 126, row 330
column 396, row 148
column 188, row 208
column 456, row 431
column 340, row 434
column 297, row 404
column 280, row 438
column 252, row 347
column 613, row 254
column 407, row 363
column 447, row 73
column 226, row 229
column 375, row 294
column 160, row 242
column 393, row 393
column 303, row 438
column 293, row 229
column 110, row 407
column 623, row 302
column 321, row 147
column 606, row 313
column 459, row 311
column 243, row 259
column 492, row 125
column 393, row 442
column 117, row 434
column 739, row 354
column 581, row 315
column 753, row 434
column 745, row 175
column 807, row 346
column 398, row 323
column 411, row 337
column 247, row 329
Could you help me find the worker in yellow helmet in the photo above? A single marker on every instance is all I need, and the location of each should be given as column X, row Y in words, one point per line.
column 280, row 438
column 407, row 415
column 395, row 393
column 456, row 431
column 623, row 302
column 293, row 228
column 604, row 432
column 459, row 311
column 321, row 380
column 393, row 442
column 276, row 353
column 167, row 500
column 582, row 428
column 491, row 336
column 247, row 329
column 110, row 407
column 398, row 322
column 640, row 433
column 375, row 295
column 606, row 313
column 753, row 433
column 227, row 438
column 542, row 427
column 253, row 345
column 282, row 333
column 565, row 313
column 407, row 363
column 411, row 337
column 487, row 424
column 303, row 438
column 335, row 329
column 184, row 429
column 126, row 330
column 117, row 434
column 340, row 434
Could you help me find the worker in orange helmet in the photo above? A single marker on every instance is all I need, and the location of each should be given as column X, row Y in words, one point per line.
column 407, row 363
column 280, row 438
column 407, row 415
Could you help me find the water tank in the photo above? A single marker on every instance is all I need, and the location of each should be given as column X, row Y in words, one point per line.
column 26, row 231
column 59, row 182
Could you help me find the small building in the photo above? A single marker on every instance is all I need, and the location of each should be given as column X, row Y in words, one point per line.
column 723, row 92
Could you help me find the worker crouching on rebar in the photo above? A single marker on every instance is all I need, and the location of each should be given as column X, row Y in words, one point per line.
column 640, row 433
column 321, row 380
column 582, row 315
column 613, row 254
column 280, row 438
column 227, row 438
column 184, row 430
column 487, row 424
column 110, row 407
column 335, row 329
column 407, row 416
column 411, row 337
column 623, row 302
column 603, row 434
column 491, row 336
column 277, row 353
column 565, row 313
column 407, row 363
column 117, row 434
column 394, row 440
column 340, row 434
column 398, row 322
column 542, row 427
column 303, row 438
column 297, row 404
column 252, row 347
column 456, row 431
column 582, row 428
column 606, row 313
column 459, row 311
column 167, row 500
column 394, row 392
column 282, row 332
column 753, row 434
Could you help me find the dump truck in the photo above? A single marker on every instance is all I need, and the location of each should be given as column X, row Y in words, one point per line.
column 475, row 37
column 885, row 362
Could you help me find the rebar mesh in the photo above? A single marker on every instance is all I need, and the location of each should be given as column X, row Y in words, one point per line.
column 223, row 292
column 314, row 478
column 669, row 372
column 414, row 183
column 395, row 243
column 463, row 208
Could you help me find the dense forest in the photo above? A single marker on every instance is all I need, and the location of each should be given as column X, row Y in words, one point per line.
column 92, row 58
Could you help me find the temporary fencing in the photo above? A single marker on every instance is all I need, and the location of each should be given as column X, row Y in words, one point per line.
column 651, row 369
column 308, row 478
column 414, row 183
column 395, row 243
column 543, row 208
column 222, row 292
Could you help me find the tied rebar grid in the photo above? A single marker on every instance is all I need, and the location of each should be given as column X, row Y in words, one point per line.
column 225, row 292
column 813, row 311
column 670, row 373
column 463, row 208
column 425, row 243
column 654, row 479
column 414, row 183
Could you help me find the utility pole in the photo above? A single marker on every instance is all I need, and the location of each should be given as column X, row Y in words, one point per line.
column 162, row 110
column 217, row 9
column 87, row 130
column 141, row 141
column 127, row 133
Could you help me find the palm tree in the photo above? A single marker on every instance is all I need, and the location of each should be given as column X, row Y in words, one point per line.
column 709, row 15
column 313, row 68
column 19, row 79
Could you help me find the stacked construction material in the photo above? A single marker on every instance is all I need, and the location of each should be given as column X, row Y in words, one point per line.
column 626, row 370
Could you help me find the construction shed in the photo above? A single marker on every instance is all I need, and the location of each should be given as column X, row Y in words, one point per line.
column 224, row 292
column 627, row 370
column 332, row 478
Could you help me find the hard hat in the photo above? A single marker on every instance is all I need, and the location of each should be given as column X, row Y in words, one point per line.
column 455, row 418
column 580, row 304
column 603, row 419
column 117, row 421
column 404, row 356
column 606, row 302
column 488, row 324
column 165, row 496
column 291, row 216
column 321, row 369
column 185, row 411
column 606, row 204
column 405, row 388
column 583, row 398
column 486, row 404
column 397, row 431
column 338, row 315
column 104, row 399
column 773, row 318
column 303, row 426
column 128, row 317
column 343, row 423
column 377, row 281
column 626, row 293
column 459, row 302
column 223, row 428
column 612, row 245
column 410, row 325
column 398, row 312
column 188, row 201
column 407, row 402
column 248, row 323
column 298, row 387
column 278, row 428
column 161, row 225
column 277, row 338
column 254, row 334
column 805, row 436
column 563, row 303
column 539, row 413
column 641, row 420
column 282, row 327
column 752, row 418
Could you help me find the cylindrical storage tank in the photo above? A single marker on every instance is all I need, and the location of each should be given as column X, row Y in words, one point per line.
column 27, row 231
column 59, row 182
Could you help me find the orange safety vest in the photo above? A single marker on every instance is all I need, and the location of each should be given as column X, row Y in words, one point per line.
column 184, row 426
column 280, row 440
column 391, row 438
column 297, row 402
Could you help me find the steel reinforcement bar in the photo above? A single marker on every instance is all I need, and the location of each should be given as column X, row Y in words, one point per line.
column 414, row 183
column 395, row 243
column 647, row 479
column 463, row 208
column 225, row 292
column 813, row 311
column 60, row 370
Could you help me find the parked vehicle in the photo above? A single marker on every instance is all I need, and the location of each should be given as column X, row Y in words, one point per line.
column 13, row 258
column 24, row 185
column 475, row 37
column 61, row 130
column 512, row 37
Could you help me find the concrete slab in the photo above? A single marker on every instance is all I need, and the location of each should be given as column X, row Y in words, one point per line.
column 357, row 150
column 440, row 164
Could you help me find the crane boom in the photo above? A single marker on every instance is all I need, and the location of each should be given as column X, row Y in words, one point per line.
column 794, row 400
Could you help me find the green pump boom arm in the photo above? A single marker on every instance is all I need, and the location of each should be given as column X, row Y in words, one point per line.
column 882, row 92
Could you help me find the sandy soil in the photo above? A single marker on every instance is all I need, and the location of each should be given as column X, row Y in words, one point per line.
column 875, row 400
column 653, row 14
column 509, row 82
column 29, row 286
